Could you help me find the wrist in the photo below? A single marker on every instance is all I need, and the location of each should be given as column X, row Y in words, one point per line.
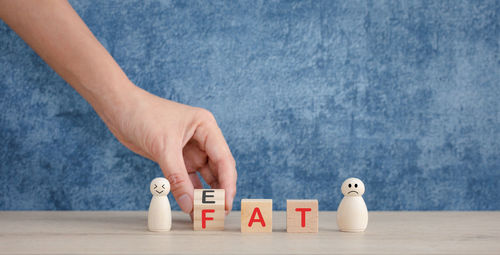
column 114, row 99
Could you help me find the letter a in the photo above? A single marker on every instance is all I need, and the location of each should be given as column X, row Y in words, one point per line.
column 252, row 219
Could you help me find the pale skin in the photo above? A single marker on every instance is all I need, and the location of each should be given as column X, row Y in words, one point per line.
column 182, row 139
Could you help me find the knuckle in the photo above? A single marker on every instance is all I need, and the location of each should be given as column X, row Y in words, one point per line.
column 227, row 161
column 214, row 184
column 205, row 115
column 176, row 180
column 156, row 145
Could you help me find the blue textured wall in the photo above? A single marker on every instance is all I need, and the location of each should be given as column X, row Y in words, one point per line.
column 403, row 95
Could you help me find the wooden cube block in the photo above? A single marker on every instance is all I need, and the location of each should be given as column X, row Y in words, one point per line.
column 302, row 216
column 209, row 210
column 256, row 215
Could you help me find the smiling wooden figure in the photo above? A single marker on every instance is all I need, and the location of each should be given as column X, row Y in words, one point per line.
column 352, row 214
column 159, row 213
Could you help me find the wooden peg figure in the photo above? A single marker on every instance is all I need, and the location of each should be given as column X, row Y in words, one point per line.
column 352, row 214
column 159, row 213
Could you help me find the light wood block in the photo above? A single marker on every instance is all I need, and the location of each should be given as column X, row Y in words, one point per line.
column 209, row 212
column 302, row 216
column 256, row 215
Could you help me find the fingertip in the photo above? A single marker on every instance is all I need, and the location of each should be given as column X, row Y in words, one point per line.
column 230, row 193
column 185, row 203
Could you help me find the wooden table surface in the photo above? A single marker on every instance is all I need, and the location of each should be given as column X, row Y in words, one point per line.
column 124, row 232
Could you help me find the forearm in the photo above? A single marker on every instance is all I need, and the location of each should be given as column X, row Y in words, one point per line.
column 56, row 33
column 182, row 139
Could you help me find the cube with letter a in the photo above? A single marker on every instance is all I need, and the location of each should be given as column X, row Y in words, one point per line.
column 256, row 215
column 209, row 211
column 302, row 216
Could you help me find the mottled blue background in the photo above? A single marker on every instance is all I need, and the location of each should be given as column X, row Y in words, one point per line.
column 402, row 94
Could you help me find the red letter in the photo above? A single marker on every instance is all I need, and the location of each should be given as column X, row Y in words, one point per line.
column 303, row 218
column 252, row 219
column 204, row 217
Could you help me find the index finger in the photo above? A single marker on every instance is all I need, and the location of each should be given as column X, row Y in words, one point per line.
column 211, row 140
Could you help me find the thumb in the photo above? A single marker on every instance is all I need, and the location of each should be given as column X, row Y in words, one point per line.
column 174, row 169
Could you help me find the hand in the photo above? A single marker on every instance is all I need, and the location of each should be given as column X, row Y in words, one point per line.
column 180, row 138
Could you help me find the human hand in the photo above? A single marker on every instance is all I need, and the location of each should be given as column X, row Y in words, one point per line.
column 182, row 139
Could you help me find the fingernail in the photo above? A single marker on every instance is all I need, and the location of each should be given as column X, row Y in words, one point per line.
column 231, row 204
column 185, row 203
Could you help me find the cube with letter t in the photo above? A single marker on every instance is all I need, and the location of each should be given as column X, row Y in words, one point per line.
column 209, row 211
column 302, row 216
column 256, row 215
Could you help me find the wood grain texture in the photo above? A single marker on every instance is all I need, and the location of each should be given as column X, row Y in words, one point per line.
column 125, row 232
column 214, row 201
column 256, row 215
column 295, row 215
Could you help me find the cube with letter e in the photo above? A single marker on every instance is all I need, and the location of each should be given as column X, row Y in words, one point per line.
column 209, row 211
